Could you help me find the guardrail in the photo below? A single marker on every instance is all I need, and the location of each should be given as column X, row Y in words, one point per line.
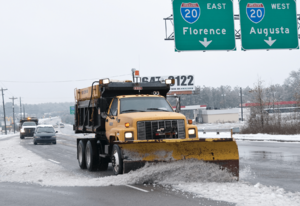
column 218, row 131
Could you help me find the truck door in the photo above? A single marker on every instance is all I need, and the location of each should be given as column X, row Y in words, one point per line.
column 111, row 119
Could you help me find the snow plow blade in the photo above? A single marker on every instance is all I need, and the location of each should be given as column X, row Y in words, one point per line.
column 223, row 152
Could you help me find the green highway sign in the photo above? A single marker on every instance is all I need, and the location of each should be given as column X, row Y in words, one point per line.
column 72, row 110
column 268, row 24
column 203, row 25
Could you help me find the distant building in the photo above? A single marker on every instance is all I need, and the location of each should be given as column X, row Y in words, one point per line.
column 224, row 115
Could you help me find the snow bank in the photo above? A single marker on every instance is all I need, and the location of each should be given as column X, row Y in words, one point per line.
column 220, row 125
column 268, row 137
column 18, row 164
column 10, row 134
column 253, row 137
column 242, row 194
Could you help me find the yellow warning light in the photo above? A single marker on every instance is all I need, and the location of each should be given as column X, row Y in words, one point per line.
column 28, row 118
column 127, row 124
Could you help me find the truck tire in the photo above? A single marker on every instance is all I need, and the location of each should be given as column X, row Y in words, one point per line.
column 91, row 156
column 21, row 137
column 103, row 162
column 81, row 154
column 117, row 160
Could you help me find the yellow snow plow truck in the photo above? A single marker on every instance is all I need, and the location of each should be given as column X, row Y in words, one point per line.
column 133, row 124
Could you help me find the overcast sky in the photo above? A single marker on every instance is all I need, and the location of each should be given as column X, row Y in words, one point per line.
column 60, row 40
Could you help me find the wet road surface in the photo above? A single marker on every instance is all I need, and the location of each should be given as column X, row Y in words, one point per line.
column 272, row 163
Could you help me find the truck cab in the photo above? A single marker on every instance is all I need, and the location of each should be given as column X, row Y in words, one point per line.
column 27, row 127
column 145, row 117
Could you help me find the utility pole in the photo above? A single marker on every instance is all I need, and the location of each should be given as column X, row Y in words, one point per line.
column 20, row 109
column 24, row 110
column 13, row 106
column 273, row 101
column 4, row 109
column 223, row 97
column 241, row 94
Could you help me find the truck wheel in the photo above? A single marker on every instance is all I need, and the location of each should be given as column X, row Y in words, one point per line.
column 117, row 160
column 91, row 157
column 34, row 143
column 81, row 154
column 21, row 137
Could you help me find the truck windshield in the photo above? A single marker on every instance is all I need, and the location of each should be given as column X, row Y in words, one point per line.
column 29, row 124
column 45, row 130
column 144, row 104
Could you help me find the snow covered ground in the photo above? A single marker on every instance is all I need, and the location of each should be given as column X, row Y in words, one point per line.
column 220, row 125
column 18, row 164
column 9, row 134
column 252, row 137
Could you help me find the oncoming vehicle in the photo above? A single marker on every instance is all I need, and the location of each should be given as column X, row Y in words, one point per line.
column 44, row 134
column 61, row 125
column 134, row 124
column 27, row 127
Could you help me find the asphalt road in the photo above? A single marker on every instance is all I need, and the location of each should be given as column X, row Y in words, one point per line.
column 64, row 154
column 276, row 164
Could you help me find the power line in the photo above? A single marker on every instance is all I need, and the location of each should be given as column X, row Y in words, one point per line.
column 62, row 81
column 6, row 87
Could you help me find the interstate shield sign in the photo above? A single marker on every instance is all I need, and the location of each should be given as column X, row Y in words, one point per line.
column 190, row 12
column 255, row 12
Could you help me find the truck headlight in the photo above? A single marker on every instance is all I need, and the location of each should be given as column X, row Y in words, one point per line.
column 191, row 131
column 22, row 130
column 128, row 135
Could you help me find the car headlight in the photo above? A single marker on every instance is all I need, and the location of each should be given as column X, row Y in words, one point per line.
column 22, row 130
column 191, row 131
column 128, row 135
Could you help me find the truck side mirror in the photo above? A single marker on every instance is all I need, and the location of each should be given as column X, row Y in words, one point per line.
column 178, row 105
column 104, row 115
column 103, row 106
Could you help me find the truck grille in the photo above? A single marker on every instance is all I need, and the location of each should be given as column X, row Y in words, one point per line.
column 147, row 129
column 29, row 130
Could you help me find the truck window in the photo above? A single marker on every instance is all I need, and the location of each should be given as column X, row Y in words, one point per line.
column 114, row 108
column 144, row 104
column 29, row 124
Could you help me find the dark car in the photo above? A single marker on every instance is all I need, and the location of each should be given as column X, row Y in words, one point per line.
column 44, row 134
